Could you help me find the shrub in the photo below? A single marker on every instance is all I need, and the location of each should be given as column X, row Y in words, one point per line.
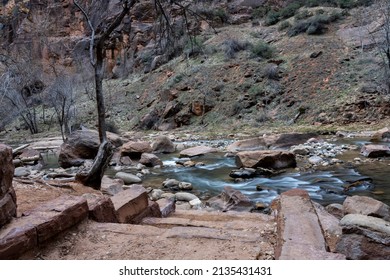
column 289, row 10
column 260, row 12
column 272, row 18
column 298, row 28
column 284, row 25
column 194, row 47
column 222, row 15
column 272, row 72
column 262, row 49
column 111, row 127
column 232, row 46
column 304, row 14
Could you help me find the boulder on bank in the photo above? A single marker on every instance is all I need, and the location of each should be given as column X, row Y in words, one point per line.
column 81, row 145
column 163, row 145
column 197, row 151
column 277, row 159
column 364, row 237
column 382, row 135
column 375, row 151
column 135, row 149
column 7, row 193
column 366, row 206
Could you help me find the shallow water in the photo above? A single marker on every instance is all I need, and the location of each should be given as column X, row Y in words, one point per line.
column 324, row 187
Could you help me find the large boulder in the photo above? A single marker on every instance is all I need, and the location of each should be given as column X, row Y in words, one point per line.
column 79, row 146
column 163, row 145
column 382, row 135
column 7, row 193
column 135, row 149
column 266, row 159
column 197, row 151
column 366, row 206
column 364, row 237
column 231, row 199
column 375, row 151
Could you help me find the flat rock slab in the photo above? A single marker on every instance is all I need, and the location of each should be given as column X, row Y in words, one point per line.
column 41, row 224
column 130, row 203
column 197, row 151
column 300, row 235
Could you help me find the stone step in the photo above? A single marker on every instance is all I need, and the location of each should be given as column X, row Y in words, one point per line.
column 41, row 224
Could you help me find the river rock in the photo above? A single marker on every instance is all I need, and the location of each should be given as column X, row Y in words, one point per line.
column 302, row 150
column 244, row 173
column 247, row 145
column 163, row 145
column 150, row 160
column 185, row 186
column 130, row 203
column 134, row 149
column 364, row 237
column 21, row 172
column 196, row 203
column 156, row 194
column 366, row 206
column 171, row 184
column 382, row 135
column 126, row 160
column 375, row 151
column 277, row 159
column 315, row 160
column 7, row 193
column 184, row 196
column 128, row 178
column 197, row 151
column 230, row 199
column 286, row 140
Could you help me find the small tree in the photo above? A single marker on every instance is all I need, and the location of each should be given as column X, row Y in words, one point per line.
column 62, row 99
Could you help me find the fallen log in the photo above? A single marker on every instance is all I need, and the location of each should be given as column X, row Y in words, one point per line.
column 30, row 159
column 18, row 149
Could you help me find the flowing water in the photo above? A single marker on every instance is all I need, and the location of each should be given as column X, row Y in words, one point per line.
column 324, row 186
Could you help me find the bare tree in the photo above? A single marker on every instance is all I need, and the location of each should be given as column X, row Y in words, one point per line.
column 21, row 87
column 101, row 34
column 381, row 38
column 62, row 99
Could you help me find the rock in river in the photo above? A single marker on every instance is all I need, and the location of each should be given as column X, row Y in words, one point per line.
column 128, row 178
column 277, row 159
column 197, row 151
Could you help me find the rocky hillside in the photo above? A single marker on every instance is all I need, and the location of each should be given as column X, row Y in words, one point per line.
column 250, row 64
